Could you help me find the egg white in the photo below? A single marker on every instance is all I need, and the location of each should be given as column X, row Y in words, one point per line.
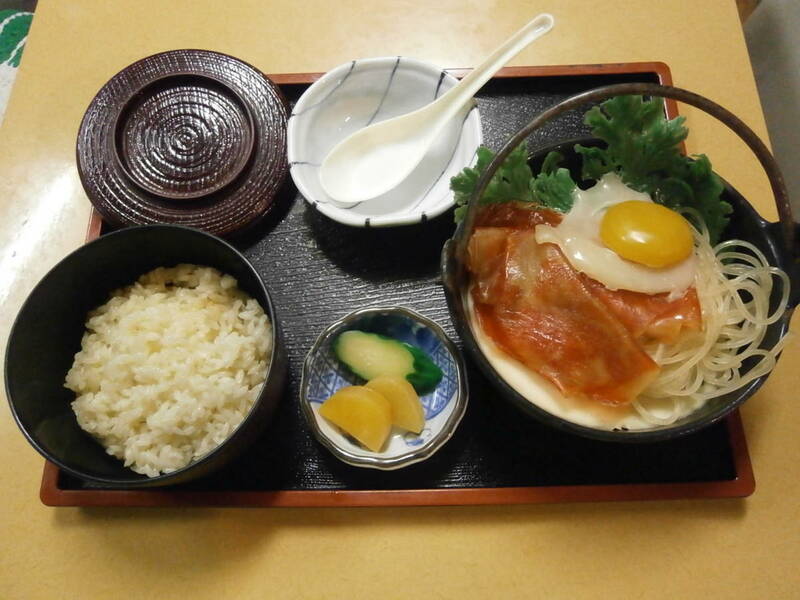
column 578, row 237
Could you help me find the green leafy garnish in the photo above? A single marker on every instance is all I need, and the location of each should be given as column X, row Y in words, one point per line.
column 642, row 147
column 511, row 182
column 553, row 187
column 514, row 182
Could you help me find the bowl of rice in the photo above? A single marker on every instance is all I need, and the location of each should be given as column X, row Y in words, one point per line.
column 148, row 357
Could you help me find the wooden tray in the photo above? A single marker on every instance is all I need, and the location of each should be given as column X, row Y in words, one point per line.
column 496, row 456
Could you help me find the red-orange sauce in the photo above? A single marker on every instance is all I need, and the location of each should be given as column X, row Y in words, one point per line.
column 651, row 317
column 570, row 329
column 515, row 215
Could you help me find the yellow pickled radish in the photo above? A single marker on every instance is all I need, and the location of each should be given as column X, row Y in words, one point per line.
column 362, row 413
column 407, row 410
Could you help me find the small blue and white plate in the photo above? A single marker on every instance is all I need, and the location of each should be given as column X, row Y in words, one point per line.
column 366, row 91
column 323, row 375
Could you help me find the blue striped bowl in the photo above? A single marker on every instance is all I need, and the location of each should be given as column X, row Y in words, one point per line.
column 366, row 91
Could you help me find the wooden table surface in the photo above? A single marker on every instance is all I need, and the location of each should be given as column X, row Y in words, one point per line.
column 680, row 549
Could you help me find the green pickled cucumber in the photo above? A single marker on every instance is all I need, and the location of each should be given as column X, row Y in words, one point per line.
column 371, row 355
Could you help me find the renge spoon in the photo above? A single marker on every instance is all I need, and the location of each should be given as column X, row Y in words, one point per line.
column 377, row 158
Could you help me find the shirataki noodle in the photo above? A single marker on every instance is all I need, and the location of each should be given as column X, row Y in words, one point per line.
column 734, row 283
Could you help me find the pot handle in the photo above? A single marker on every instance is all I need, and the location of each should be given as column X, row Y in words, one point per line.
column 789, row 230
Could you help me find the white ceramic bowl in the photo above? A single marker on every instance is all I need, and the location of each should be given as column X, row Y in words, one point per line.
column 444, row 406
column 361, row 92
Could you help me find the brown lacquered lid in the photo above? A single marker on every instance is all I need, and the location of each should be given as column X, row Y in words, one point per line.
column 189, row 137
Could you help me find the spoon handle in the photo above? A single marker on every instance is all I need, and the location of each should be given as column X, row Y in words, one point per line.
column 454, row 99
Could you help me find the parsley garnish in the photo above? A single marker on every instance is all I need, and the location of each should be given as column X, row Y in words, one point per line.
column 514, row 182
column 511, row 182
column 642, row 146
column 553, row 187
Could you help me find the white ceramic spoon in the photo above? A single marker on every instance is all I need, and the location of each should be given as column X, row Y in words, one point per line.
column 377, row 158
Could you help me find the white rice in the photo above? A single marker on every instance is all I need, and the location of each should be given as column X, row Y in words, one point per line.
column 170, row 366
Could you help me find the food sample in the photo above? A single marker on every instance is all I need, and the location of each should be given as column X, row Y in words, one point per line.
column 362, row 413
column 407, row 410
column 582, row 236
column 646, row 233
column 170, row 366
column 370, row 355
column 611, row 306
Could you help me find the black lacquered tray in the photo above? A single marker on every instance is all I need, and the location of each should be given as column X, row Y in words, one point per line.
column 318, row 270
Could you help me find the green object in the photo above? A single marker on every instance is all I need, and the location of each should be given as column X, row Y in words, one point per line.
column 642, row 146
column 371, row 355
column 514, row 182
column 13, row 34
column 553, row 187
column 511, row 182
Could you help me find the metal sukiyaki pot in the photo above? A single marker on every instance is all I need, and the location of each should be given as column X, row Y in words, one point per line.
column 547, row 398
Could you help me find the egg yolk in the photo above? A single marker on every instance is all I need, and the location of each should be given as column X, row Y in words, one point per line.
column 646, row 233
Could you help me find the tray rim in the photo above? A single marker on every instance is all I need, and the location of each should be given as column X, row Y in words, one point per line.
column 741, row 486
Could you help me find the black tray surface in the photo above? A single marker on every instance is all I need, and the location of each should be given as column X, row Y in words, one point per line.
column 318, row 270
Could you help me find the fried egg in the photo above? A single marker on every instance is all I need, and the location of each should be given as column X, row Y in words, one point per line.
column 624, row 240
